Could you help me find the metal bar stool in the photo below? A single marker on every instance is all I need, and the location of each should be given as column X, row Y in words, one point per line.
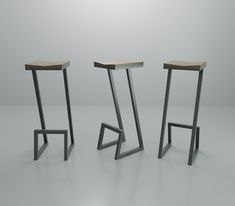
column 185, row 66
column 109, row 66
column 51, row 66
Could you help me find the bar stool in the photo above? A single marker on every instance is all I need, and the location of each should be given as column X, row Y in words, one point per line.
column 51, row 66
column 117, row 65
column 184, row 66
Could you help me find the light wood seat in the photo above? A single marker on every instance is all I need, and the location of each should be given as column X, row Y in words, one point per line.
column 182, row 65
column 47, row 65
column 116, row 65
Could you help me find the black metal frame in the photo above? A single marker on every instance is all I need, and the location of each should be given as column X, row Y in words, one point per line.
column 194, row 127
column 38, row 152
column 44, row 131
column 120, row 130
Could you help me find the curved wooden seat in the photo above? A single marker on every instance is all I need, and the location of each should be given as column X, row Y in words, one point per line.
column 115, row 65
column 47, row 65
column 182, row 65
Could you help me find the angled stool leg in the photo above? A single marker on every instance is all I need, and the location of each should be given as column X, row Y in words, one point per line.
column 115, row 101
column 194, row 129
column 160, row 152
column 133, row 101
column 118, row 154
column 68, row 105
column 104, row 126
column 39, row 103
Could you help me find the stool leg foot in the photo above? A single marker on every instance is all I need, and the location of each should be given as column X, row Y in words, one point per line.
column 169, row 134
column 197, row 137
column 160, row 152
column 194, row 129
column 67, row 149
column 38, row 152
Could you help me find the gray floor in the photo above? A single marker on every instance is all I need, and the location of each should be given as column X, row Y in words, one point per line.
column 94, row 178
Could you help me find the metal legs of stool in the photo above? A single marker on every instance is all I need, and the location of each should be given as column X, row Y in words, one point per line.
column 39, row 104
column 120, row 130
column 195, row 129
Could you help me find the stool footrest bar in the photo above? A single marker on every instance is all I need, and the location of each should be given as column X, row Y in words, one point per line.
column 108, row 144
column 186, row 126
column 50, row 131
column 129, row 152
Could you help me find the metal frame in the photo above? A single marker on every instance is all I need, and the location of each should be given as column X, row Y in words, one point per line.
column 194, row 127
column 38, row 152
column 44, row 131
column 120, row 130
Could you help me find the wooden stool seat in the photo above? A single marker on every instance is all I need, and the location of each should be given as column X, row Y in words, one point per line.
column 116, row 65
column 182, row 65
column 47, row 65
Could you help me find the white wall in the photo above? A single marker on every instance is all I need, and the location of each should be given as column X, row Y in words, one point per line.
column 86, row 30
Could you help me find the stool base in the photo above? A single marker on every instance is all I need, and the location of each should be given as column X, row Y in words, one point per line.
column 168, row 145
column 38, row 152
column 121, row 139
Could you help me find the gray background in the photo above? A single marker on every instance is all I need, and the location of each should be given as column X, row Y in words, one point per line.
column 86, row 30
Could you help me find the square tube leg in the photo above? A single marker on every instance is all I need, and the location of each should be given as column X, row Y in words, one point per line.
column 66, row 146
column 68, row 105
column 169, row 134
column 197, row 137
column 134, row 106
column 160, row 152
column 115, row 101
column 39, row 103
column 191, row 150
